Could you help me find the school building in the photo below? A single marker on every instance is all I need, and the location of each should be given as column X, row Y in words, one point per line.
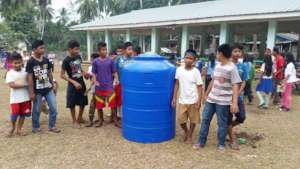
column 258, row 24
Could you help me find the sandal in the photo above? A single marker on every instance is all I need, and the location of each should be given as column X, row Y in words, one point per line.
column 54, row 130
column 197, row 146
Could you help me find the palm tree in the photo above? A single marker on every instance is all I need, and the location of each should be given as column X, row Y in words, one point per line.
column 46, row 13
column 63, row 16
column 88, row 10
column 106, row 7
column 8, row 7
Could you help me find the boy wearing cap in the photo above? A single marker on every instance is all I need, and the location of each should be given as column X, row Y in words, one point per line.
column 188, row 90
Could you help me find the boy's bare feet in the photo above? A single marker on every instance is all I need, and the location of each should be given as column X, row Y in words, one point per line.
column 99, row 124
column 81, row 121
column 90, row 124
column 234, row 146
column 76, row 125
column 10, row 134
column 189, row 140
column 118, row 124
column 184, row 138
column 19, row 133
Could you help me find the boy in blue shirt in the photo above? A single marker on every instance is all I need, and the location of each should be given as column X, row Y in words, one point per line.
column 237, row 53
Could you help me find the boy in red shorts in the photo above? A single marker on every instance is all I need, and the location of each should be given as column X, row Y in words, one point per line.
column 120, row 62
column 19, row 95
column 104, row 77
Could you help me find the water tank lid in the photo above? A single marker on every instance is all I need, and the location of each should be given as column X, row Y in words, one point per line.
column 149, row 56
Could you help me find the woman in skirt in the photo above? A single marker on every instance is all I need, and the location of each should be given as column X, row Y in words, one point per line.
column 265, row 85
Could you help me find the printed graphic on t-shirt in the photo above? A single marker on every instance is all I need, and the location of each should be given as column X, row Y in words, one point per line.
column 76, row 68
column 41, row 75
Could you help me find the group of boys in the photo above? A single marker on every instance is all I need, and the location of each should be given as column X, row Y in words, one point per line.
column 30, row 85
column 224, row 96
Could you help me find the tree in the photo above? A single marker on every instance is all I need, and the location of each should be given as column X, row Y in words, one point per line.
column 88, row 10
column 45, row 14
column 63, row 17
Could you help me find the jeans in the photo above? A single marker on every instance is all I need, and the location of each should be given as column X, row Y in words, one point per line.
column 36, row 110
column 222, row 118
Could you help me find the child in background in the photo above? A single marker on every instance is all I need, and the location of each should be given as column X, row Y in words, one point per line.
column 8, row 63
column 92, row 89
column 104, row 78
column 137, row 51
column 278, row 74
column 248, row 61
column 221, row 97
column 240, row 116
column 210, row 69
column 264, row 87
column 290, row 77
column 76, row 86
column 127, row 54
column 189, row 84
column 19, row 95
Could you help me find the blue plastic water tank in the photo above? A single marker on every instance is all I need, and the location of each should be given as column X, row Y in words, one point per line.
column 147, row 90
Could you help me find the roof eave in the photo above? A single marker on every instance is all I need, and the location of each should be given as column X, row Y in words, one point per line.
column 203, row 21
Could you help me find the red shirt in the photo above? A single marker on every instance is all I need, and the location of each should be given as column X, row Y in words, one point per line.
column 279, row 75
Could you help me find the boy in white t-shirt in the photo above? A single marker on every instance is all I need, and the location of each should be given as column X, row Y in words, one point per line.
column 189, row 85
column 19, row 96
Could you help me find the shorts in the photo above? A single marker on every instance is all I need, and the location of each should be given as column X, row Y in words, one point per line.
column 20, row 109
column 105, row 96
column 241, row 115
column 188, row 112
column 76, row 97
column 118, row 90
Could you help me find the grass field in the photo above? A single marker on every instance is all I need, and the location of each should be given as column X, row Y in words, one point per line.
column 91, row 148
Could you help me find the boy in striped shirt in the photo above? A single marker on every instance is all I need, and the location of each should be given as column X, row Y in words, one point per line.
column 221, row 97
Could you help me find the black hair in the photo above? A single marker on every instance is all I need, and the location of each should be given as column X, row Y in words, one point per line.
column 225, row 49
column 192, row 52
column 289, row 58
column 16, row 56
column 120, row 46
column 212, row 60
column 248, row 58
column 73, row 44
column 37, row 43
column 137, row 49
column 268, row 65
column 101, row 45
column 276, row 49
column 237, row 46
column 127, row 44
column 94, row 55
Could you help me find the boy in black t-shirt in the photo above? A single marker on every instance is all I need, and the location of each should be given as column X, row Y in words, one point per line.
column 40, row 81
column 76, row 86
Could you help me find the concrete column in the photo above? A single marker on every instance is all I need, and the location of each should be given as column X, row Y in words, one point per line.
column 154, row 40
column 224, row 33
column 128, row 35
column 184, row 39
column 271, row 37
column 142, row 43
column 89, row 45
column 108, row 39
